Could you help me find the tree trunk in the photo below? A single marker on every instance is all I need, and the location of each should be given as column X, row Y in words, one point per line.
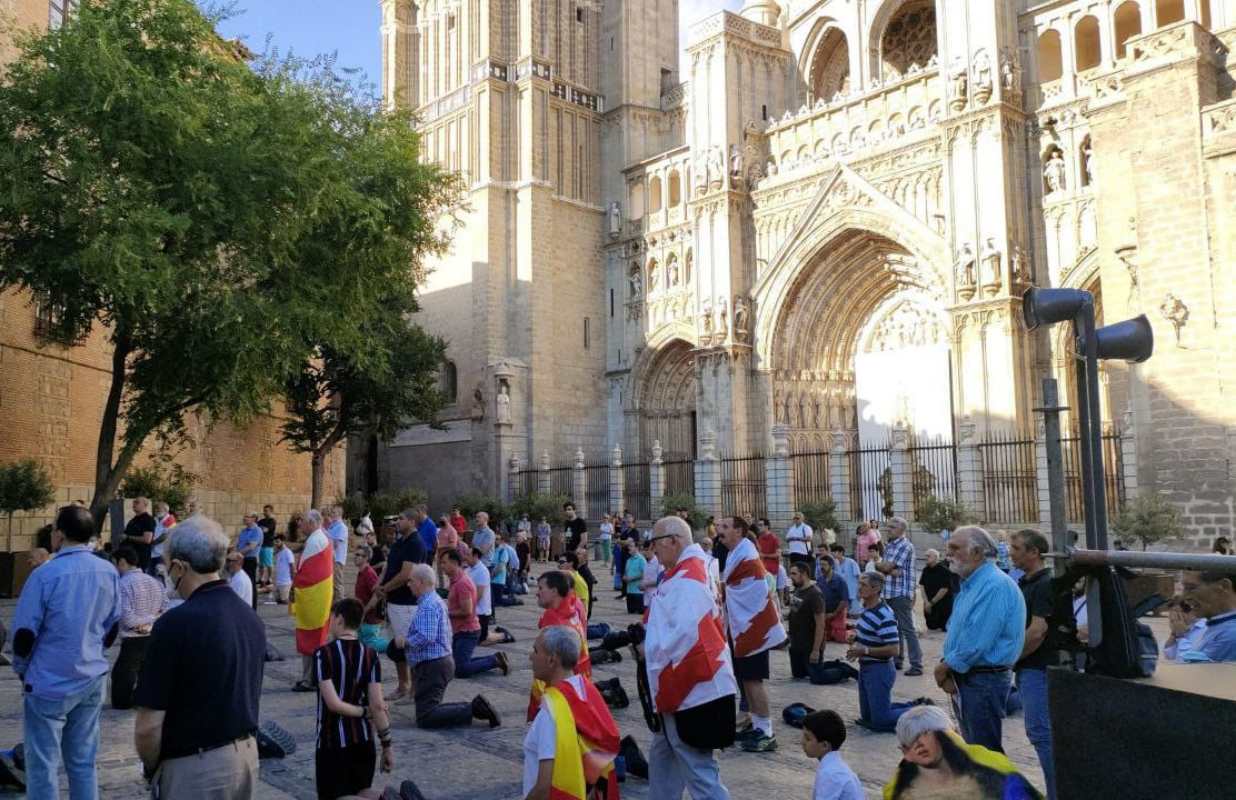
column 317, row 462
column 104, row 485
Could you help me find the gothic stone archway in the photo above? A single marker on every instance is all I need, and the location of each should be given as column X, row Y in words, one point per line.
column 666, row 402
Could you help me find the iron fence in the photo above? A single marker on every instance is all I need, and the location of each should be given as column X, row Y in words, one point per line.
column 679, row 477
column 933, row 470
column 1113, row 475
column 636, row 491
column 561, row 481
column 811, row 478
column 526, row 482
column 871, row 481
column 743, row 488
column 596, row 479
column 1010, row 478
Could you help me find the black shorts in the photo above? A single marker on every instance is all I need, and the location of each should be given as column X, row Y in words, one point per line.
column 752, row 668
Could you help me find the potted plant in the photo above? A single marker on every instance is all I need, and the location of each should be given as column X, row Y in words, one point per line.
column 24, row 486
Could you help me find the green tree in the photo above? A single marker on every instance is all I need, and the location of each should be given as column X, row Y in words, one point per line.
column 24, row 486
column 821, row 516
column 944, row 514
column 696, row 517
column 336, row 395
column 218, row 221
column 1146, row 519
column 161, row 480
column 537, row 505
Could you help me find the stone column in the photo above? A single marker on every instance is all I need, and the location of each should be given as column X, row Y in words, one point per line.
column 1040, row 474
column 970, row 469
column 617, row 501
column 656, row 481
column 512, row 480
column 579, row 486
column 542, row 479
column 708, row 475
column 839, row 476
column 903, row 472
column 779, row 481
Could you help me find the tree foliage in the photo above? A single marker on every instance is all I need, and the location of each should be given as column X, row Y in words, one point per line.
column 537, row 506
column 821, row 516
column 220, row 221
column 381, row 505
column 696, row 516
column 162, row 480
column 1147, row 519
column 24, row 486
column 469, row 504
column 944, row 514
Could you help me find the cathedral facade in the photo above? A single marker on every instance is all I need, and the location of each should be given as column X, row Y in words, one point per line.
column 819, row 223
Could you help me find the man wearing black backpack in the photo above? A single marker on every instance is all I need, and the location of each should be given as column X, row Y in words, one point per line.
column 1027, row 549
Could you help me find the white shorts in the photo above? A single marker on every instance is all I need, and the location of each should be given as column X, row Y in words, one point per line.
column 399, row 619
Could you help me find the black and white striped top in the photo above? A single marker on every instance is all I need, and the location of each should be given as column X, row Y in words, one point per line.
column 351, row 667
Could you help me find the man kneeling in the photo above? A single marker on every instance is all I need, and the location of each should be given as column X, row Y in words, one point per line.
column 570, row 747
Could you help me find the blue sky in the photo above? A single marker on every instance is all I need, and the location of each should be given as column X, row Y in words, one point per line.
column 349, row 28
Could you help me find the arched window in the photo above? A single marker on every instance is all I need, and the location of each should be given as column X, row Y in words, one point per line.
column 830, row 66
column 1128, row 19
column 675, row 189
column 654, row 195
column 909, row 40
column 1087, row 49
column 1051, row 62
column 1168, row 11
column 449, row 382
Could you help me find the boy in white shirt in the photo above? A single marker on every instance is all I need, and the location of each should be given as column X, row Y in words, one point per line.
column 285, row 568
column 823, row 735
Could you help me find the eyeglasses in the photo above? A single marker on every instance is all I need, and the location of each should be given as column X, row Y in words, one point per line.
column 662, row 536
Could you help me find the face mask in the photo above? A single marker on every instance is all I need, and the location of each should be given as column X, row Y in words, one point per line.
column 175, row 592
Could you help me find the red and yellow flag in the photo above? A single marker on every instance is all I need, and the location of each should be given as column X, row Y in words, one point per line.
column 311, row 606
column 587, row 740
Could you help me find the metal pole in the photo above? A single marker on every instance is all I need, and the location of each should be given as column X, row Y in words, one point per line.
column 1055, row 464
column 1098, row 484
column 1201, row 562
column 1083, row 430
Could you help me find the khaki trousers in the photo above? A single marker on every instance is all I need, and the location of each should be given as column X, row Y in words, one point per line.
column 229, row 772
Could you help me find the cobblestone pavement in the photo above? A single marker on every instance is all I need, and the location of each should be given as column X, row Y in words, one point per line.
column 482, row 764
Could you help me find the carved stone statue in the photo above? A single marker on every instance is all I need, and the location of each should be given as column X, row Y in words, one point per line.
column 1053, row 172
column 654, row 277
column 1088, row 163
column 723, row 319
column 992, row 263
column 503, row 403
column 716, row 168
column 1008, row 75
column 982, row 77
column 1021, row 270
column 965, row 271
column 637, row 285
column 1176, row 312
column 701, row 173
column 614, row 215
column 706, row 314
column 673, row 273
column 742, row 319
column 772, row 168
column 735, row 162
column 960, row 86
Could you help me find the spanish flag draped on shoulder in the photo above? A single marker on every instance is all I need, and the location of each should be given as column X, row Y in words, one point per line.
column 754, row 624
column 685, row 654
column 570, row 612
column 311, row 605
column 586, row 740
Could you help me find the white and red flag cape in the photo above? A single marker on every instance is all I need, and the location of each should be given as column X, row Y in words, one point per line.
column 685, row 653
column 754, row 623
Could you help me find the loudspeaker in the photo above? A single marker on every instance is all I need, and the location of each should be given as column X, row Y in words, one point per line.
column 1048, row 306
column 1161, row 737
column 1131, row 340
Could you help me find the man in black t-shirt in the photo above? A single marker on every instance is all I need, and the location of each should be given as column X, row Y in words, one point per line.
column 139, row 532
column 574, row 527
column 1039, row 652
column 808, row 626
column 266, row 555
column 407, row 551
column 201, row 682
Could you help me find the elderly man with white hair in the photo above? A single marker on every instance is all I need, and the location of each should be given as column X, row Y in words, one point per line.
column 427, row 647
column 689, row 672
column 938, row 762
column 985, row 636
column 201, row 682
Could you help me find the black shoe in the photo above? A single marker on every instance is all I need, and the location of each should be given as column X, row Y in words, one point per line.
column 899, row 665
column 408, row 791
column 274, row 742
column 504, row 663
column 922, row 701
column 913, row 672
column 302, row 686
column 481, row 709
column 862, row 723
column 12, row 775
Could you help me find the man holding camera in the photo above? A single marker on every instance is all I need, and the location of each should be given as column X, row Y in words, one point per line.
column 690, row 676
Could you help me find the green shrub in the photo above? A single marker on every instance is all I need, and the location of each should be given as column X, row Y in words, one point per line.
column 821, row 516
column 943, row 514
column 167, row 482
column 1146, row 519
column 469, row 504
column 696, row 516
column 387, row 504
column 24, row 486
column 537, row 505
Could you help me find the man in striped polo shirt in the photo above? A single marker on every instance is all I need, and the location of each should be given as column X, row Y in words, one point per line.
column 874, row 644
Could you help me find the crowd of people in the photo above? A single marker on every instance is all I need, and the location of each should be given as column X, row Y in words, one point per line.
column 714, row 608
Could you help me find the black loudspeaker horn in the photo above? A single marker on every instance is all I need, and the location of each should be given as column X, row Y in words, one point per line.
column 1048, row 306
column 1131, row 340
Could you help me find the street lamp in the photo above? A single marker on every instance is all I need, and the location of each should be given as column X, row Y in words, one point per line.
column 1131, row 340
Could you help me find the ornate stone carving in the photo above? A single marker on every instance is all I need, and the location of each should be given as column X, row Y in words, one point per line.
column 906, row 325
column 723, row 320
column 1054, row 172
column 1020, row 268
column 966, row 279
column 614, row 216
column 982, row 77
column 736, row 174
column 1010, row 72
column 959, row 86
column 673, row 271
column 742, row 319
column 1176, row 312
column 1128, row 256
column 1088, row 162
column 716, row 168
column 707, row 322
column 993, row 263
column 502, row 403
column 478, row 403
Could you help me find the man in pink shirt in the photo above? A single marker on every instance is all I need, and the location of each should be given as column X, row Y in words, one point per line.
column 465, row 626
column 868, row 536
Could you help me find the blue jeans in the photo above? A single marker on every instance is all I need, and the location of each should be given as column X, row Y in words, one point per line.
column 983, row 697
column 462, row 645
column 875, row 696
column 67, row 728
column 1033, row 684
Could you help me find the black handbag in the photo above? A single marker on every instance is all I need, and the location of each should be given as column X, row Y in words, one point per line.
column 709, row 726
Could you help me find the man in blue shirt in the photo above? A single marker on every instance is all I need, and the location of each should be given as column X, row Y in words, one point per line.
column 848, row 569
column 428, row 531
column 985, row 637
column 337, row 532
column 68, row 612
column 248, row 544
column 1213, row 597
column 875, row 645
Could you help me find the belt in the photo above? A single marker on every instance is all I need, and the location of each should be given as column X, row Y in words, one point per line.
column 197, row 751
column 988, row 670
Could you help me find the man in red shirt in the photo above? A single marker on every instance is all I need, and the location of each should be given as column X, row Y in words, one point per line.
column 465, row 626
column 458, row 521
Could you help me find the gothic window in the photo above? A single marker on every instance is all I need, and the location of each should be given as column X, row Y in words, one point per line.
column 1128, row 19
column 675, row 189
column 830, row 66
column 654, row 195
column 1051, row 64
column 449, row 382
column 909, row 40
column 1086, row 39
column 49, row 323
column 1169, row 11
column 59, row 10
